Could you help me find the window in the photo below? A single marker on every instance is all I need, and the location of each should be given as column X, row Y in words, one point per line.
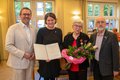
column 108, row 10
column 39, row 9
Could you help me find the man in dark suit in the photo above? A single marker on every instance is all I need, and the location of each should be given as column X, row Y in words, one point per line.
column 106, row 61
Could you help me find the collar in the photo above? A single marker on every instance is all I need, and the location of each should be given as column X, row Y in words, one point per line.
column 50, row 28
column 100, row 34
column 23, row 25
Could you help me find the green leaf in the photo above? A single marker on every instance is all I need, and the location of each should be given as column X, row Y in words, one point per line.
column 67, row 66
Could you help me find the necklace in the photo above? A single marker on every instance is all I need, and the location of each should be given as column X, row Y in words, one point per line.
column 75, row 36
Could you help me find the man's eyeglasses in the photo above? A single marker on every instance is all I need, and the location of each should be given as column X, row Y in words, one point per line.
column 25, row 14
column 100, row 22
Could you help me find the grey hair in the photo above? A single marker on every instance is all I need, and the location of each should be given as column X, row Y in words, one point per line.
column 80, row 22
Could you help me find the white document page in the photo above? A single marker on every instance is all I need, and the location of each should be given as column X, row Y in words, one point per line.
column 45, row 52
column 40, row 52
column 53, row 51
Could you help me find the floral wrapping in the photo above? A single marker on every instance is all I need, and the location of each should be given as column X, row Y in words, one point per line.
column 78, row 55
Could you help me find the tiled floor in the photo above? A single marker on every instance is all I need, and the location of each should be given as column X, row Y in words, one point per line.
column 6, row 71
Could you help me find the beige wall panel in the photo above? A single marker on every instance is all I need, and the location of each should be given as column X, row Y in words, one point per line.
column 64, row 11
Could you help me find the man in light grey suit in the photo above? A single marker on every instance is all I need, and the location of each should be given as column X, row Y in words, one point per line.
column 20, row 38
column 106, row 62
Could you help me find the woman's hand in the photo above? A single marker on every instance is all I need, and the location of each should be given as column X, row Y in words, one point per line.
column 47, row 60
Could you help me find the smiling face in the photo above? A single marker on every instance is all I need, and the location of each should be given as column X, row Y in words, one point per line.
column 25, row 16
column 50, row 22
column 77, row 27
column 100, row 24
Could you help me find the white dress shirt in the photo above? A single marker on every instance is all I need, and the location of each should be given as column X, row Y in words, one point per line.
column 27, row 30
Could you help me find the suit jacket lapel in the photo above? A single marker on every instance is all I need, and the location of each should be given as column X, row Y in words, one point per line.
column 24, row 34
column 105, row 37
column 31, row 36
column 94, row 38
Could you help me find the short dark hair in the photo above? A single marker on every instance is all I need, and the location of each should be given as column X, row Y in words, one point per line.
column 50, row 15
column 26, row 9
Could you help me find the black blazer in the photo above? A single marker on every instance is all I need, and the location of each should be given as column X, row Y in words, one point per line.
column 68, row 40
column 109, row 53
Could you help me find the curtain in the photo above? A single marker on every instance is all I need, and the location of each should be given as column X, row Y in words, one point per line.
column 119, row 13
column 7, row 18
column 11, row 12
column 83, row 10
column 1, row 49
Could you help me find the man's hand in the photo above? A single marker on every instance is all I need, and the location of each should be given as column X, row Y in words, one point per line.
column 27, row 55
column 32, row 56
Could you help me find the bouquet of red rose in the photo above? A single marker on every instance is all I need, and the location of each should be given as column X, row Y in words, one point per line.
column 78, row 55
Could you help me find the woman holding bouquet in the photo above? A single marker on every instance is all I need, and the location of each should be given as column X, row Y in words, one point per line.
column 77, row 38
